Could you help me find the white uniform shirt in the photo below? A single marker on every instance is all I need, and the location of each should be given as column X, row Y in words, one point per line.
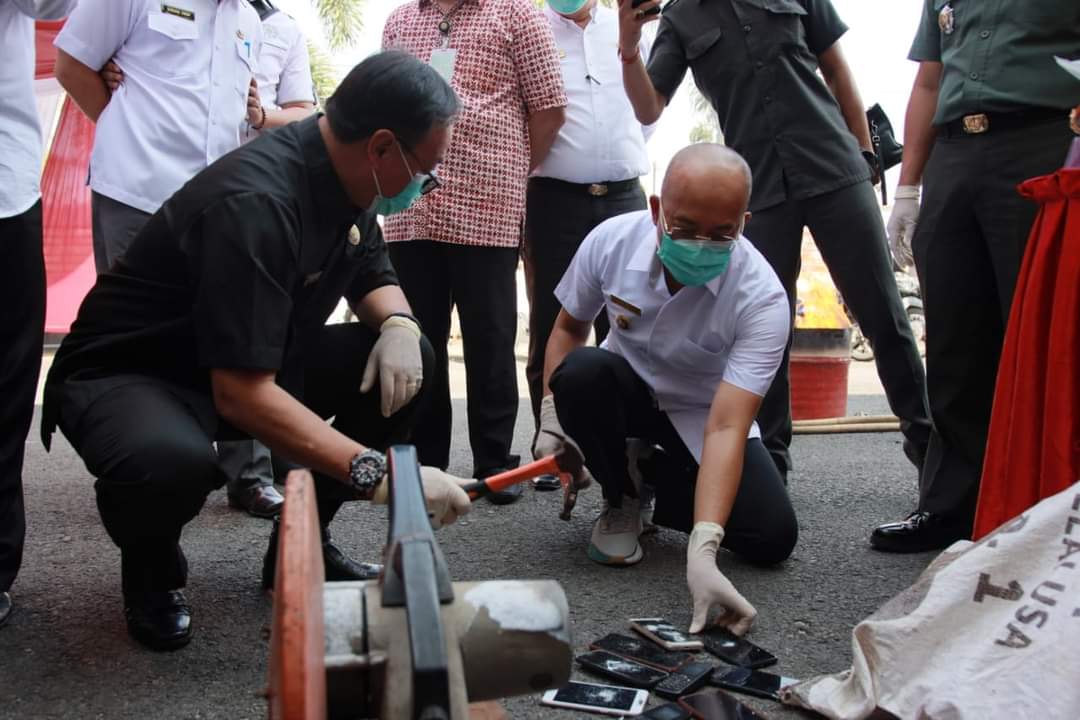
column 733, row 329
column 284, row 73
column 187, row 65
column 601, row 139
column 20, row 132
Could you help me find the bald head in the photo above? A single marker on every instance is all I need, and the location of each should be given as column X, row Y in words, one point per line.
column 706, row 190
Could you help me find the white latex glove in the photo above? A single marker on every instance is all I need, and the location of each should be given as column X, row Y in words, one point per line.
column 551, row 439
column 396, row 361
column 709, row 587
column 446, row 501
column 902, row 221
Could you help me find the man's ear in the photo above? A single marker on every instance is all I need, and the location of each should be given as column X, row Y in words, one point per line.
column 380, row 143
column 654, row 207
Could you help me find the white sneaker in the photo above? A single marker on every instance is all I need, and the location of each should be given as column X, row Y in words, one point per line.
column 637, row 449
column 615, row 534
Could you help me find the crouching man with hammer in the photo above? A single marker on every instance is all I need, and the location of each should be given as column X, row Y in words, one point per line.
column 211, row 326
column 665, row 406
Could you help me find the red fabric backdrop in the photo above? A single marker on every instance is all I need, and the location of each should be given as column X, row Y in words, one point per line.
column 1033, row 450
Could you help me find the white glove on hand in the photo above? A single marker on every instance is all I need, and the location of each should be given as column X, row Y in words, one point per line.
column 709, row 587
column 902, row 221
column 396, row 360
column 446, row 501
column 551, row 439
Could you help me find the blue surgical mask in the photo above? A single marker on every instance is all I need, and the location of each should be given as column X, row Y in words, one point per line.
column 566, row 7
column 404, row 199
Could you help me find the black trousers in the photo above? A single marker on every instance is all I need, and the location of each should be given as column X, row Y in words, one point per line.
column 480, row 282
column 148, row 443
column 968, row 246
column 558, row 216
column 601, row 402
column 114, row 226
column 847, row 228
column 22, row 328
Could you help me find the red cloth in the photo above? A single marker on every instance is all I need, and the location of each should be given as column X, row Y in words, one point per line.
column 1033, row 449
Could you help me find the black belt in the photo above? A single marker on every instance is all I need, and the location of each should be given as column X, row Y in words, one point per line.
column 981, row 123
column 595, row 189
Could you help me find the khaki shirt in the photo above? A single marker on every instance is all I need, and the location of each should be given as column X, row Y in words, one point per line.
column 998, row 55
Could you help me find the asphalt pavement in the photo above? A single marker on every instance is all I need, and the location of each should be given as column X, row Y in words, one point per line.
column 65, row 652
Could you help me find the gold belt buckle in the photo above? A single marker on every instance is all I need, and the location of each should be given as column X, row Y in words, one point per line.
column 598, row 190
column 976, row 124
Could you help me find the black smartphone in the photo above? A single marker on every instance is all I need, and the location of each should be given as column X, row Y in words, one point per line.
column 670, row 711
column 751, row 682
column 735, row 650
column 686, row 679
column 643, row 652
column 654, row 11
column 619, row 668
column 717, row 705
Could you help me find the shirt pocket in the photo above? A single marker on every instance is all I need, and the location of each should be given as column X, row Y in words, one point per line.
column 172, row 48
column 699, row 360
column 247, row 67
column 783, row 22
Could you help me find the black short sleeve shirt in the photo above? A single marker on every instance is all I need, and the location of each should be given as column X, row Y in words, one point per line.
column 238, row 269
column 755, row 61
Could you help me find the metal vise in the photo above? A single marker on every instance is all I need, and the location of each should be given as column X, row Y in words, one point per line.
column 413, row 646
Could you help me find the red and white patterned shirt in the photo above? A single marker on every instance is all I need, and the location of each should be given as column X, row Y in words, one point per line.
column 507, row 68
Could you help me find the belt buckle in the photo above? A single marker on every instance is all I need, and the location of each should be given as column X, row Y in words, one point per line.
column 598, row 190
column 976, row 124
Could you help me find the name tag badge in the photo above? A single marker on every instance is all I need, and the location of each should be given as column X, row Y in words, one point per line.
column 178, row 12
column 443, row 61
column 625, row 304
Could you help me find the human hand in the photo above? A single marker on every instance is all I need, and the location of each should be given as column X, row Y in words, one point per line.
column 631, row 20
column 397, row 362
column 551, row 439
column 256, row 114
column 708, row 586
column 112, row 75
column 902, row 222
column 446, row 501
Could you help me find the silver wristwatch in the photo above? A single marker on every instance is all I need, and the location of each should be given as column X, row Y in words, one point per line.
column 366, row 471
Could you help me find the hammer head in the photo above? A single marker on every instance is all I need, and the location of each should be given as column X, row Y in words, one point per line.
column 575, row 477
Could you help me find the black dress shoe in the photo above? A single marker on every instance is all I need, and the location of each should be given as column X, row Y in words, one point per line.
column 509, row 495
column 261, row 501
column 338, row 566
column 547, row 483
column 159, row 619
column 919, row 532
column 5, row 607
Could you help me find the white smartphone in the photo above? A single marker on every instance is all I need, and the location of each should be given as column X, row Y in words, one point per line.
column 604, row 699
column 664, row 634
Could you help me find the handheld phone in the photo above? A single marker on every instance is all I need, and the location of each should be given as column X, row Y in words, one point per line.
column 686, row 679
column 735, row 650
column 664, row 634
column 626, row 671
column 604, row 699
column 717, row 705
column 751, row 682
column 670, row 711
column 654, row 11
column 643, row 652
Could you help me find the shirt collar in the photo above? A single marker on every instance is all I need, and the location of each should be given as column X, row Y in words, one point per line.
column 565, row 20
column 646, row 260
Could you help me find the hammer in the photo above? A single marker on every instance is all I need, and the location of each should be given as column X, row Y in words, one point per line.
column 566, row 463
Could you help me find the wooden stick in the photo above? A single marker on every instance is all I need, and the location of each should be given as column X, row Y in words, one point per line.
column 846, row 428
column 850, row 420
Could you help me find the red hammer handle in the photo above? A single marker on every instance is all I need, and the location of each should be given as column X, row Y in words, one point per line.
column 495, row 483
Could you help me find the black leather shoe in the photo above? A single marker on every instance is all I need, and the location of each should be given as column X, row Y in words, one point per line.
column 261, row 501
column 918, row 532
column 511, row 494
column 159, row 619
column 547, row 483
column 338, row 566
column 5, row 607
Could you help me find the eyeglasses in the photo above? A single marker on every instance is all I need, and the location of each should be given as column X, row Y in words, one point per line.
column 431, row 180
column 684, row 235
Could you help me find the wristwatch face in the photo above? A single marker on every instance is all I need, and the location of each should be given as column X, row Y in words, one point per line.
column 366, row 470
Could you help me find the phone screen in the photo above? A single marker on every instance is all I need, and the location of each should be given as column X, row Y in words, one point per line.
column 747, row 679
column 641, row 650
column 627, row 671
column 662, row 629
column 736, row 650
column 717, row 705
column 605, row 696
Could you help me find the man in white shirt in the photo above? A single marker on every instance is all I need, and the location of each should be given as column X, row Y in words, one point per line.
column 22, row 266
column 589, row 175
column 699, row 322
column 286, row 91
column 188, row 67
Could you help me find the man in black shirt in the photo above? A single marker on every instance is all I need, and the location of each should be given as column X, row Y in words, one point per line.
column 212, row 326
column 757, row 63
